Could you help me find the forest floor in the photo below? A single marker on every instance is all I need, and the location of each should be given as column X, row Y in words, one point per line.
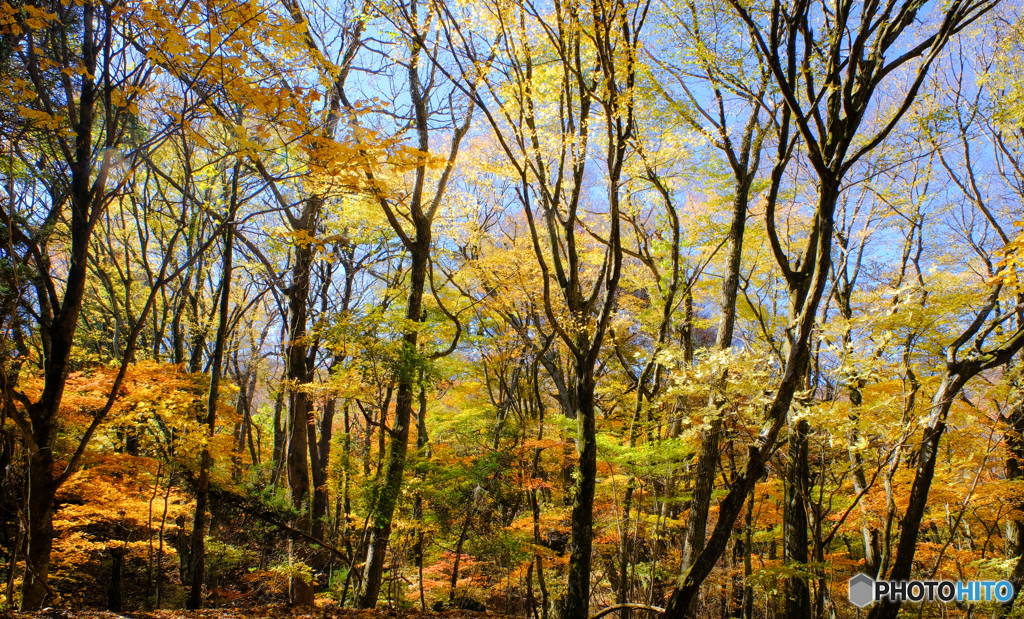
column 257, row 612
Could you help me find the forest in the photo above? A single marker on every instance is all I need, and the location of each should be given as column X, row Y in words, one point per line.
column 551, row 309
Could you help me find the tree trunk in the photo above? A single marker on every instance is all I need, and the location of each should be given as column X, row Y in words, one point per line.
column 534, row 501
column 703, row 484
column 798, row 600
column 300, row 591
column 319, row 457
column 114, row 591
column 927, row 457
column 387, row 491
column 35, row 587
column 739, row 551
column 197, row 556
column 197, row 548
column 1014, row 438
column 454, row 581
column 12, row 566
column 707, row 460
column 279, row 430
column 870, row 535
column 577, row 595
column 818, row 249
column 417, row 510
column 242, row 429
column 748, row 568
column 622, row 591
column 81, row 201
column 300, row 405
column 181, row 544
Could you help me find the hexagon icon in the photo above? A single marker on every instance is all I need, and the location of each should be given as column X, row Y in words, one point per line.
column 862, row 590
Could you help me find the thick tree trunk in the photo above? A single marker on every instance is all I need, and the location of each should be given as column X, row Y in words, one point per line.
column 300, row 406
column 703, row 484
column 116, row 587
column 388, row 490
column 35, row 587
column 577, row 596
column 197, row 548
column 707, row 460
column 819, row 250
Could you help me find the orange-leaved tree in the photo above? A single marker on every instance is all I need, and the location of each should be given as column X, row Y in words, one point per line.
column 76, row 88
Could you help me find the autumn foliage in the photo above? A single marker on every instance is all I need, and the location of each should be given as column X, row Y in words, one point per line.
column 690, row 309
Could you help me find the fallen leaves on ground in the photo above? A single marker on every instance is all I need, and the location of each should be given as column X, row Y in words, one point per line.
column 256, row 613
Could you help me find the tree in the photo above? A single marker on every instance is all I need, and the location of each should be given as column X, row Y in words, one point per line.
column 827, row 113
column 79, row 87
column 722, row 64
column 992, row 345
column 420, row 208
column 197, row 554
column 550, row 163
